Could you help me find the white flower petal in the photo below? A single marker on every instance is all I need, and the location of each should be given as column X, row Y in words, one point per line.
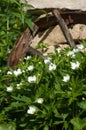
column 47, row 60
column 27, row 58
column 30, row 68
column 9, row 89
column 75, row 65
column 70, row 53
column 32, row 79
column 31, row 110
column 40, row 100
column 66, row 78
column 52, row 66
column 83, row 98
column 19, row 84
column 17, row 72
column 80, row 47
column 75, row 50
column 9, row 72
column 58, row 49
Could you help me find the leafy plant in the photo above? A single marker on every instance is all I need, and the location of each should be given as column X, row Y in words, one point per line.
column 13, row 20
column 40, row 94
column 45, row 94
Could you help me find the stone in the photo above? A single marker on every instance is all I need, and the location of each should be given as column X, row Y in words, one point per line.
column 54, row 35
column 61, row 4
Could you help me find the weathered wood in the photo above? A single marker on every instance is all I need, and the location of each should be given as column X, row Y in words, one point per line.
column 64, row 28
column 21, row 47
column 76, row 16
column 32, row 51
column 38, row 12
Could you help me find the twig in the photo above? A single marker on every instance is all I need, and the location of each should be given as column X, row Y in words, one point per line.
column 64, row 28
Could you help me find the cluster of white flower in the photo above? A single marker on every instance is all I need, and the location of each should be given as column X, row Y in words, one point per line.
column 17, row 72
column 71, row 53
column 9, row 89
column 32, row 79
column 75, row 65
column 75, row 50
column 66, row 78
column 80, row 47
column 52, row 66
column 32, row 109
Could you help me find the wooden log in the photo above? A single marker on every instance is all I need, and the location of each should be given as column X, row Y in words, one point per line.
column 21, row 48
column 64, row 28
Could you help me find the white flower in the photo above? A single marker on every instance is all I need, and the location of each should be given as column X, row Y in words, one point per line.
column 52, row 66
column 58, row 49
column 75, row 50
column 83, row 98
column 23, row 71
column 75, row 65
column 71, row 53
column 17, row 72
column 18, row 85
column 9, row 72
column 47, row 60
column 40, row 100
column 8, row 50
column 31, row 110
column 32, row 79
column 80, row 47
column 9, row 89
column 27, row 58
column 66, row 78
column 30, row 68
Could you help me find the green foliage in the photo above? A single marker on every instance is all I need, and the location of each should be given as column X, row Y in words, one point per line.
column 7, row 126
column 13, row 21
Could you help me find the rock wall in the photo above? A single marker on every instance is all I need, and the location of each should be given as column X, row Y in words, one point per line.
column 62, row 4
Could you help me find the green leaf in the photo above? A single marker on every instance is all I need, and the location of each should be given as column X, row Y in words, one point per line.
column 66, row 125
column 46, row 128
column 82, row 105
column 78, row 123
column 27, row 5
column 58, row 122
column 7, row 127
column 29, row 23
